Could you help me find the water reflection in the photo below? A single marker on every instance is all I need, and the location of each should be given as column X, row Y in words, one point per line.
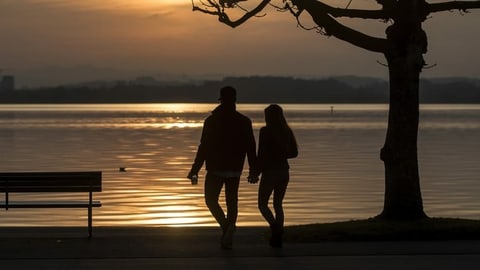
column 338, row 175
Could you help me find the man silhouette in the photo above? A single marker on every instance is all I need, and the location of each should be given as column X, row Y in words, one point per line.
column 227, row 137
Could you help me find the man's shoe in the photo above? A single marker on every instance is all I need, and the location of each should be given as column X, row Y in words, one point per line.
column 276, row 241
column 227, row 238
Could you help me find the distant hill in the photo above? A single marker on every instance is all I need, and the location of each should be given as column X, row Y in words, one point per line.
column 254, row 89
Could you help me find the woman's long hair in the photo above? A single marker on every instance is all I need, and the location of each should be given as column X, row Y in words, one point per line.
column 281, row 131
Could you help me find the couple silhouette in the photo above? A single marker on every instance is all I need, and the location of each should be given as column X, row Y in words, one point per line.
column 227, row 139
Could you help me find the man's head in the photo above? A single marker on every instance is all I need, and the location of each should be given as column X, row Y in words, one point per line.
column 228, row 95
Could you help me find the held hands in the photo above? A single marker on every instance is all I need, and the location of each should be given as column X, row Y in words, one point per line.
column 252, row 178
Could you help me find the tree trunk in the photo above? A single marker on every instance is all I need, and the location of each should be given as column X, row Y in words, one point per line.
column 403, row 199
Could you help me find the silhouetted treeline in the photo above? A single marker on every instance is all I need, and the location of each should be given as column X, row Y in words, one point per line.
column 250, row 90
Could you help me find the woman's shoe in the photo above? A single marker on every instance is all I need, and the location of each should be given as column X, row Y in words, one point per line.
column 277, row 237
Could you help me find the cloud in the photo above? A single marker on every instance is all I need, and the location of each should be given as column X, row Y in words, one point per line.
column 161, row 15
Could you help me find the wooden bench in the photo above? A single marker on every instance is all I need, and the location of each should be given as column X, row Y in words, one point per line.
column 45, row 182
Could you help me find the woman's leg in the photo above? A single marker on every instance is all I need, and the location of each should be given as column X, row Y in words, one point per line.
column 265, row 190
column 278, row 196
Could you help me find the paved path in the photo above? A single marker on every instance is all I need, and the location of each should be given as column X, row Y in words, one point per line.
column 198, row 248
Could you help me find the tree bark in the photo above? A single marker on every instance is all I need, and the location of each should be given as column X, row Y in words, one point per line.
column 403, row 199
column 407, row 43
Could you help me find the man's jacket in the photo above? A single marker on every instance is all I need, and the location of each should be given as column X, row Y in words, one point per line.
column 227, row 137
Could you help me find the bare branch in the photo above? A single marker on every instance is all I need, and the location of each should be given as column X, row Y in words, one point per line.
column 453, row 5
column 229, row 3
column 382, row 64
column 348, row 5
column 296, row 13
column 204, row 10
column 333, row 28
column 218, row 10
column 354, row 13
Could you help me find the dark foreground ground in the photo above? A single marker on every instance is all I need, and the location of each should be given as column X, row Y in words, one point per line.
column 198, row 248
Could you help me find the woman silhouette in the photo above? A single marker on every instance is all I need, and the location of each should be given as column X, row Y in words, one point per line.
column 276, row 145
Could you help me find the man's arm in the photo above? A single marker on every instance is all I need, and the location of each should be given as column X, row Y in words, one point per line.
column 201, row 153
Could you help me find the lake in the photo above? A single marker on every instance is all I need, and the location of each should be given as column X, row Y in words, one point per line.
column 338, row 175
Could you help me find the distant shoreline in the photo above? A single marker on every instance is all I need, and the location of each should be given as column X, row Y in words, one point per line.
column 250, row 90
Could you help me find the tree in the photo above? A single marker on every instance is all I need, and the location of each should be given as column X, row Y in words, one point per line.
column 403, row 47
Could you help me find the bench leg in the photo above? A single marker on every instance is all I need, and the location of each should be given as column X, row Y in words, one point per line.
column 89, row 222
column 90, row 199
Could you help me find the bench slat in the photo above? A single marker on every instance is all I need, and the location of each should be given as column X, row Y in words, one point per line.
column 50, row 204
column 49, row 189
column 46, row 174
column 51, row 181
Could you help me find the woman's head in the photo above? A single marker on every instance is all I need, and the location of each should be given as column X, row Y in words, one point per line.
column 274, row 116
column 282, row 135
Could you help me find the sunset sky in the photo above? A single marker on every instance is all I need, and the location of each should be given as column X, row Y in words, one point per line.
column 59, row 41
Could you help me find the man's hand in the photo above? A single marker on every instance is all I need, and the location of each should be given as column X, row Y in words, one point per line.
column 193, row 177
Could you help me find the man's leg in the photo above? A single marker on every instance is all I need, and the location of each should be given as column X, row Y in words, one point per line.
column 231, row 198
column 213, row 187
